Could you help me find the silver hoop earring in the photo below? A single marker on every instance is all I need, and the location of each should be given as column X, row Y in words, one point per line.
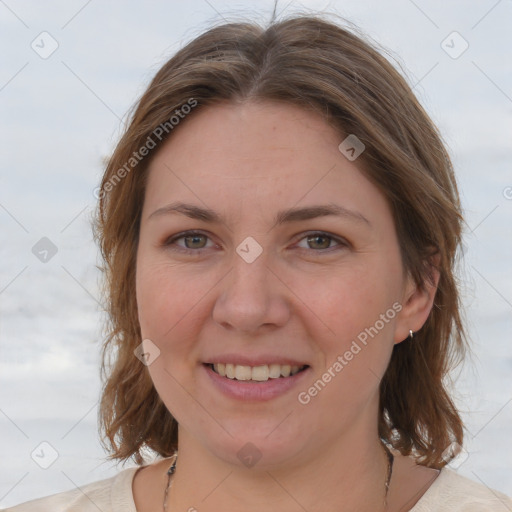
column 411, row 334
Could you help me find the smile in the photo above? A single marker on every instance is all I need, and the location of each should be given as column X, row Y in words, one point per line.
column 260, row 373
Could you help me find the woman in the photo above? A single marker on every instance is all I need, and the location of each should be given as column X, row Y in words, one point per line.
column 280, row 223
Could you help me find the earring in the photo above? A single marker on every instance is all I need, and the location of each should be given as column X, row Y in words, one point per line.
column 411, row 334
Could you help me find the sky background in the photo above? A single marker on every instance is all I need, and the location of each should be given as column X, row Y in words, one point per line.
column 60, row 116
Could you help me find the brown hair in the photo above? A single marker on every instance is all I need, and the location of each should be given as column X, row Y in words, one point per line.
column 317, row 65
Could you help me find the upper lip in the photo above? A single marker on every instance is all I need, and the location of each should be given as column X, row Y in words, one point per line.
column 259, row 360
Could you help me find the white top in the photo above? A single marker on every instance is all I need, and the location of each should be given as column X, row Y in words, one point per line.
column 450, row 492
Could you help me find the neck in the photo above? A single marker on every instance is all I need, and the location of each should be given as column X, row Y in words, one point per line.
column 349, row 475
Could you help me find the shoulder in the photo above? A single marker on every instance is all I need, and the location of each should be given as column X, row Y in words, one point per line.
column 111, row 495
column 452, row 492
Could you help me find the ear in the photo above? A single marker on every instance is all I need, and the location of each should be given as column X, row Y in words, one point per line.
column 417, row 302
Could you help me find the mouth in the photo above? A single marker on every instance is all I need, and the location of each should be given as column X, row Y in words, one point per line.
column 260, row 373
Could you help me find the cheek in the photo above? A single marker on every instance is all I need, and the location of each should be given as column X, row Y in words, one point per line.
column 165, row 298
column 356, row 346
column 348, row 301
column 173, row 309
column 168, row 308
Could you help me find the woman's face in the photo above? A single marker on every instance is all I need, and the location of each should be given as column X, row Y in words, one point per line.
column 266, row 282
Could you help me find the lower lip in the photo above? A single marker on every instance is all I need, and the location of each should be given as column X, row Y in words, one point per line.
column 255, row 391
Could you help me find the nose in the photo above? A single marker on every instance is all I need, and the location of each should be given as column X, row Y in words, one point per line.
column 251, row 298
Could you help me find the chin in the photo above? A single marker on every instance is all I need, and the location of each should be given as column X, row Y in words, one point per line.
column 257, row 446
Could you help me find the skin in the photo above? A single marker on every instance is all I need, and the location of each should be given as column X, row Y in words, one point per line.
column 305, row 299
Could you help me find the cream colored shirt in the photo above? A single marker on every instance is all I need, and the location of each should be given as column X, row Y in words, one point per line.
column 450, row 492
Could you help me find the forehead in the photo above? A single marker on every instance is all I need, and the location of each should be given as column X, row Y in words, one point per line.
column 252, row 155
column 249, row 136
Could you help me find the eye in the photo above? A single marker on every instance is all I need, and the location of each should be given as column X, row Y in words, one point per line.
column 194, row 241
column 321, row 242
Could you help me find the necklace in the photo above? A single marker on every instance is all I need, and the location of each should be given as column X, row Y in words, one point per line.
column 170, row 472
column 389, row 456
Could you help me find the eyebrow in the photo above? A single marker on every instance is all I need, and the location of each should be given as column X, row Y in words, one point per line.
column 284, row 216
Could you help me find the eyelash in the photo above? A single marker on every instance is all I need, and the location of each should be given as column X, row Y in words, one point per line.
column 172, row 241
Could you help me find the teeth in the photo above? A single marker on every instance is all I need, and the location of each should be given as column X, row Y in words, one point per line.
column 242, row 372
column 221, row 369
column 260, row 373
column 274, row 371
column 285, row 370
column 230, row 371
